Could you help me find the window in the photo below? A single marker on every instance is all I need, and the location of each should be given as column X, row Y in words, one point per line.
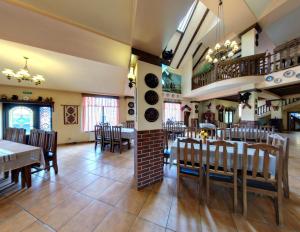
column 99, row 109
column 21, row 117
column 172, row 111
column 228, row 117
column 184, row 22
column 45, row 118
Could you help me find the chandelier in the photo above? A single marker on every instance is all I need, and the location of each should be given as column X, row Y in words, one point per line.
column 23, row 74
column 224, row 51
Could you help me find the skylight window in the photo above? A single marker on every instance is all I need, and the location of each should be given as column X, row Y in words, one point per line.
column 184, row 22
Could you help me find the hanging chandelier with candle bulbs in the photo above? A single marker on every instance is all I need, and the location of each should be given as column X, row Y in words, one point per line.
column 23, row 74
column 221, row 51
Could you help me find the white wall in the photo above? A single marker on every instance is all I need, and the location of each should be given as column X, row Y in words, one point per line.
column 248, row 43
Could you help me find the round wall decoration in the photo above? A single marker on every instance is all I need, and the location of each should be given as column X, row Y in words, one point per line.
column 151, row 97
column 131, row 112
column 131, row 105
column 298, row 75
column 277, row 80
column 151, row 80
column 196, row 111
column 269, row 78
column 196, row 106
column 289, row 73
column 151, row 114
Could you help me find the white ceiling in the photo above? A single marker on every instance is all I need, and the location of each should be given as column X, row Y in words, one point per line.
column 112, row 18
column 62, row 72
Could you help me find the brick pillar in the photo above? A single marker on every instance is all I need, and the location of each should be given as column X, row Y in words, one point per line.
column 149, row 135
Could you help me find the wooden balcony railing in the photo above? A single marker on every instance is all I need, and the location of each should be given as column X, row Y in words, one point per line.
column 261, row 110
column 286, row 56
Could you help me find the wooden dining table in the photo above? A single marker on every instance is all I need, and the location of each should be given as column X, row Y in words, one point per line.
column 128, row 133
column 240, row 146
column 20, row 156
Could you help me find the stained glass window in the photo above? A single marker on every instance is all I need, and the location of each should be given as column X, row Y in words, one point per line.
column 21, row 117
column 45, row 118
column 172, row 111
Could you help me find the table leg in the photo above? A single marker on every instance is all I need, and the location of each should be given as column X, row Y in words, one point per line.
column 26, row 176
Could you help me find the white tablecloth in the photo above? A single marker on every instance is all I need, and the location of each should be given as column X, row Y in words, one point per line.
column 16, row 155
column 207, row 125
column 128, row 133
column 230, row 152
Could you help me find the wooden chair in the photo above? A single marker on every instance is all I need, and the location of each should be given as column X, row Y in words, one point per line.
column 167, row 151
column 190, row 163
column 191, row 132
column 221, row 173
column 50, row 150
column 117, row 139
column 107, row 137
column 14, row 135
column 36, row 138
column 8, row 134
column 21, row 136
column 236, row 133
column 264, row 132
column 220, row 134
column 98, row 136
column 251, row 134
column 178, row 130
column 262, row 181
column 130, row 124
column 277, row 140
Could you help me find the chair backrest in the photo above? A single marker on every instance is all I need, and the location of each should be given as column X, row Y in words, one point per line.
column 192, row 157
column 264, row 132
column 8, row 133
column 130, row 124
column 213, row 164
column 21, row 136
column 50, row 144
column 37, row 138
column 116, row 133
column 237, row 132
column 261, row 171
column 98, row 132
column 278, row 140
column 251, row 134
column 14, row 135
column 220, row 133
column 191, row 132
column 106, row 132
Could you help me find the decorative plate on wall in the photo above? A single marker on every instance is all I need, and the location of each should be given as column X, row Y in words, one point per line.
column 289, row 73
column 130, row 104
column 196, row 106
column 196, row 111
column 277, row 80
column 269, row 78
column 151, row 80
column 131, row 112
column 151, row 97
column 151, row 114
column 298, row 75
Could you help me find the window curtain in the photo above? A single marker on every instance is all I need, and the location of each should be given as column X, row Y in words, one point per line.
column 99, row 109
column 172, row 111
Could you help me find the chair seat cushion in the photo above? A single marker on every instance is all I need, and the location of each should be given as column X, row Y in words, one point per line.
column 189, row 163
column 189, row 171
column 220, row 177
column 261, row 185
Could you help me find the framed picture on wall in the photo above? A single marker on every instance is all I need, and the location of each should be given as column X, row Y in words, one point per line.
column 70, row 114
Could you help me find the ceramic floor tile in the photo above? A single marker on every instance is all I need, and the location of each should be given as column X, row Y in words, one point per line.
column 18, row 222
column 141, row 225
column 114, row 193
column 116, row 220
column 96, row 188
column 38, row 227
column 88, row 219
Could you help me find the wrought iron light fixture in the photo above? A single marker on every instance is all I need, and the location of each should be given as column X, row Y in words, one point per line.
column 23, row 74
column 131, row 77
column 224, row 51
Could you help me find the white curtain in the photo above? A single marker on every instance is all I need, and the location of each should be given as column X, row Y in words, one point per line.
column 99, row 109
column 172, row 111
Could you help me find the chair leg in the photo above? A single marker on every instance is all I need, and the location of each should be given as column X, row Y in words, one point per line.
column 278, row 206
column 244, row 200
column 55, row 166
column 286, row 188
column 235, row 200
column 207, row 189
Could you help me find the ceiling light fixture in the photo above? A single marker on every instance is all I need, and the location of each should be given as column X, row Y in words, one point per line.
column 23, row 74
column 224, row 51
column 131, row 77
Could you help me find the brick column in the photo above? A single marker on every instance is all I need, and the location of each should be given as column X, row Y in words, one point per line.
column 149, row 135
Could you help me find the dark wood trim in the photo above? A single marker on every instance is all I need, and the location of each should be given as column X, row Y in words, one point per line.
column 183, row 33
column 251, row 90
column 97, row 95
column 255, row 25
column 174, row 101
column 147, row 57
column 197, row 49
column 193, row 37
column 128, row 97
column 194, row 101
column 200, row 58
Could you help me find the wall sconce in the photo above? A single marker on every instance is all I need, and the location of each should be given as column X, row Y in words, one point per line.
column 131, row 77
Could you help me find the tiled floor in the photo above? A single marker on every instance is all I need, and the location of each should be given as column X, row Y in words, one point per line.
column 95, row 191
